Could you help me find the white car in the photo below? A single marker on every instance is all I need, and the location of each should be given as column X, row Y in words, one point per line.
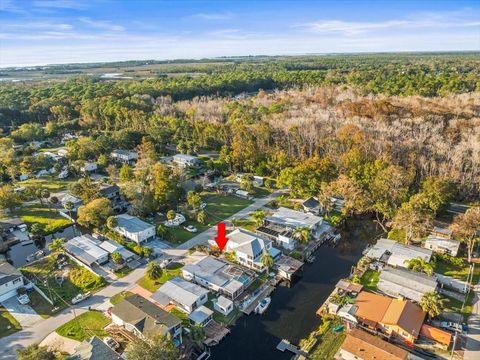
column 451, row 326
column 80, row 297
column 191, row 228
column 111, row 343
column 23, row 299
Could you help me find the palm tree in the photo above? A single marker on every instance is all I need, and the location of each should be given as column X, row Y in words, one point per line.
column 197, row 335
column 302, row 234
column 235, row 222
column 112, row 222
column 56, row 244
column 69, row 207
column 154, row 271
column 116, row 257
column 267, row 259
column 419, row 264
column 432, row 304
column 258, row 216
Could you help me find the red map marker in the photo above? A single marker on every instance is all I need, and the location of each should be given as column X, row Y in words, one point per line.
column 221, row 238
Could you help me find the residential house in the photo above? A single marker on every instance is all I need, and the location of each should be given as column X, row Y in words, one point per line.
column 76, row 202
column 258, row 180
column 403, row 283
column 401, row 319
column 145, row 319
column 89, row 167
column 280, row 235
column 114, row 247
column 112, row 193
column 94, row 349
column 442, row 245
column 124, row 156
column 249, row 248
column 312, row 205
column 288, row 267
column 13, row 230
column 10, row 280
column 395, row 254
column 439, row 231
column 201, row 316
column 293, row 219
column 219, row 276
column 360, row 345
column 134, row 229
column 84, row 248
column 185, row 295
column 186, row 160
column 438, row 336
column 223, row 305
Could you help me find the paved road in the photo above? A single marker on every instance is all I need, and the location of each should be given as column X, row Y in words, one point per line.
column 472, row 347
column 37, row 332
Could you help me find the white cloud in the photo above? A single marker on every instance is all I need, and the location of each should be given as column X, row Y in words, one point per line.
column 11, row 7
column 101, row 24
column 213, row 16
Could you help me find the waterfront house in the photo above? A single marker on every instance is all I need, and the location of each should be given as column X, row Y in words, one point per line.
column 112, row 193
column 223, row 305
column 219, row 276
column 145, row 319
column 124, row 156
column 312, row 205
column 442, row 245
column 360, row 345
column 134, row 229
column 403, row 283
column 94, row 349
column 396, row 318
column 10, row 280
column 201, row 316
column 395, row 254
column 186, row 161
column 185, row 295
column 280, row 235
column 288, row 267
column 13, row 230
column 84, row 248
column 249, row 248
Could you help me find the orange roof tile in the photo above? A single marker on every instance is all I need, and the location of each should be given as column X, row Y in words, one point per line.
column 440, row 336
column 371, row 307
column 368, row 347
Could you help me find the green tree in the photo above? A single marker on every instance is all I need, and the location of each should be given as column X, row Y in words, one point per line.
column 85, row 189
column 116, row 257
column 164, row 232
column 193, row 200
column 154, row 271
column 36, row 352
column 156, row 348
column 420, row 265
column 126, row 173
column 95, row 213
column 201, row 217
column 37, row 230
column 197, row 336
column 56, row 245
column 466, row 227
column 267, row 259
column 258, row 216
column 302, row 234
column 8, row 198
column 171, row 214
column 247, row 183
column 147, row 252
column 112, row 222
column 432, row 304
column 437, row 192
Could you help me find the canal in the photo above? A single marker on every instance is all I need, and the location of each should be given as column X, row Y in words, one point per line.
column 291, row 314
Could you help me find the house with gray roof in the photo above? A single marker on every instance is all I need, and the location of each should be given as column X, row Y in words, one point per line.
column 186, row 161
column 185, row 295
column 249, row 248
column 85, row 249
column 124, row 156
column 403, row 283
column 134, row 229
column 202, row 316
column 442, row 245
column 10, row 280
column 219, row 276
column 145, row 319
column 94, row 349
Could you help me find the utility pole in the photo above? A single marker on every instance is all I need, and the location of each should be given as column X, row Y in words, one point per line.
column 454, row 344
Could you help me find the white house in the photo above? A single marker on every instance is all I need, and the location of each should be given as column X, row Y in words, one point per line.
column 84, row 248
column 76, row 202
column 10, row 280
column 124, row 156
column 186, row 160
column 223, row 305
column 185, row 295
column 114, row 247
column 134, row 229
column 201, row 317
column 249, row 248
column 89, row 167
column 442, row 245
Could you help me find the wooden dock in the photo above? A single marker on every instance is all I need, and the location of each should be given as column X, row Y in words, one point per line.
column 263, row 294
column 285, row 345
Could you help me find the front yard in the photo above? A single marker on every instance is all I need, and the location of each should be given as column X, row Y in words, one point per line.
column 114, row 300
column 51, row 183
column 8, row 324
column 173, row 270
column 369, row 280
column 84, row 326
column 50, row 219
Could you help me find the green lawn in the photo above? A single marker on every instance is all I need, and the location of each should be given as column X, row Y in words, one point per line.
column 119, row 297
column 40, row 305
column 181, row 315
column 153, row 285
column 8, row 324
column 50, row 183
column 84, row 326
column 246, row 223
column 328, row 345
column 370, row 279
column 457, row 272
column 51, row 220
column 77, row 280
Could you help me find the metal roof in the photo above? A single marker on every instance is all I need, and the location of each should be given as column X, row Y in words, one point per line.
column 293, row 218
column 200, row 315
column 180, row 291
column 132, row 224
column 84, row 248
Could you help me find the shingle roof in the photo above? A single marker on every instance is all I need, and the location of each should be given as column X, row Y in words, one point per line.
column 94, row 349
column 311, row 203
column 8, row 273
column 132, row 224
column 179, row 290
column 145, row 316
column 247, row 242
column 369, row 347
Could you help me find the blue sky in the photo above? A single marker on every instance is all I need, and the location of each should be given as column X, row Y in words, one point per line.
column 34, row 32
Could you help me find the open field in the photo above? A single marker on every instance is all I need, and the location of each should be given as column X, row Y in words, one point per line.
column 8, row 324
column 85, row 326
column 50, row 183
column 50, row 219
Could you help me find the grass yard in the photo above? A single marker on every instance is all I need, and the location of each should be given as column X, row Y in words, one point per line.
column 153, row 285
column 8, row 324
column 50, row 219
column 457, row 272
column 328, row 345
column 181, row 315
column 40, row 305
column 50, row 183
column 228, row 320
column 246, row 223
column 84, row 326
column 120, row 296
column 370, row 279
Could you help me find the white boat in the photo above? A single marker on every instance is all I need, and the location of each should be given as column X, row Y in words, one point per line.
column 263, row 305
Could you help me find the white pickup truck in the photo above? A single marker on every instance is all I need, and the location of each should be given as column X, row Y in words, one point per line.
column 80, row 297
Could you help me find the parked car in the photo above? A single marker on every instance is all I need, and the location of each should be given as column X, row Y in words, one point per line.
column 23, row 299
column 80, row 297
column 424, row 353
column 451, row 326
column 111, row 343
column 165, row 263
column 191, row 228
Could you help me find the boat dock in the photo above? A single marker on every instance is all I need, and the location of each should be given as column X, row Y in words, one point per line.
column 266, row 291
column 285, row 345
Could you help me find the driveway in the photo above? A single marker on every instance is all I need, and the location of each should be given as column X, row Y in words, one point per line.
column 24, row 314
column 472, row 347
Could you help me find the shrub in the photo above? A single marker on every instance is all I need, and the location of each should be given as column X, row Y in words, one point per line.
column 85, row 280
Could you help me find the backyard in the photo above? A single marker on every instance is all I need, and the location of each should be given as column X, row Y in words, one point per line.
column 370, row 279
column 8, row 324
column 50, row 219
column 324, row 342
column 85, row 326
column 173, row 269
